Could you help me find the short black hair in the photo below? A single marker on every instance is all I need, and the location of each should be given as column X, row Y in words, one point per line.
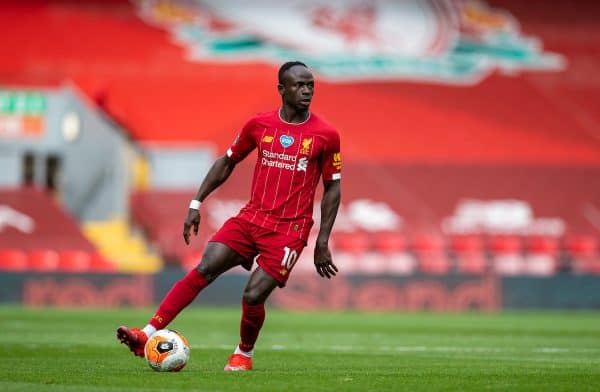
column 287, row 66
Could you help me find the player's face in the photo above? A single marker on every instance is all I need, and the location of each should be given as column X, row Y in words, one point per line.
column 298, row 87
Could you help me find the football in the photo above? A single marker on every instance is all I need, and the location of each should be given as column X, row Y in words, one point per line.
column 167, row 351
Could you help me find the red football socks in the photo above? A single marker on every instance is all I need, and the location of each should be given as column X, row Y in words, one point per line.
column 253, row 317
column 181, row 295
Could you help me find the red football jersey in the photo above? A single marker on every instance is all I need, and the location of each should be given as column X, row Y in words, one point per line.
column 291, row 159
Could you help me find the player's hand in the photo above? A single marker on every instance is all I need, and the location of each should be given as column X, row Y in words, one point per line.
column 192, row 220
column 323, row 262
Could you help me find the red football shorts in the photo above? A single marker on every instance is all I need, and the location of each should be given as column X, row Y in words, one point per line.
column 277, row 253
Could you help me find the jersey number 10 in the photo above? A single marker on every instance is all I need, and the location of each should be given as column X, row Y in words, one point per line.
column 289, row 258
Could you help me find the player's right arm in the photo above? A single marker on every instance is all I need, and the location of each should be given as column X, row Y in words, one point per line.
column 218, row 174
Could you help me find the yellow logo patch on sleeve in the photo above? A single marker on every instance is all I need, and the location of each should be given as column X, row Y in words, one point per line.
column 337, row 160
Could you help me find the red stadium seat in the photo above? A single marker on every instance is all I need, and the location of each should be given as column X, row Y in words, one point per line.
column 470, row 254
column 585, row 253
column 357, row 242
column 74, row 261
column 505, row 244
column 431, row 252
column 99, row 263
column 472, row 263
column 582, row 245
column 436, row 263
column 540, row 264
column 466, row 244
column 373, row 263
column 349, row 248
column 428, row 242
column 13, row 260
column 402, row 263
column 507, row 255
column 43, row 260
column 346, row 261
column 543, row 245
column 394, row 246
column 389, row 242
column 542, row 256
column 509, row 264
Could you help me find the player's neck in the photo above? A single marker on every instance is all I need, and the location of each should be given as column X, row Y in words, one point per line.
column 292, row 116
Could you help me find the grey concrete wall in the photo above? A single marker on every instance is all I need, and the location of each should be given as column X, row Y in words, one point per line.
column 96, row 164
column 94, row 170
column 96, row 157
column 180, row 166
column 10, row 166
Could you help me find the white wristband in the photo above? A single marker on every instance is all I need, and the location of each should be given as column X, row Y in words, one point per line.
column 195, row 204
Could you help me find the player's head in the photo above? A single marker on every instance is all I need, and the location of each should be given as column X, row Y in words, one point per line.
column 296, row 85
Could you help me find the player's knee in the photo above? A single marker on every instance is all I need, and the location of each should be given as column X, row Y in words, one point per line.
column 206, row 272
column 253, row 296
column 207, row 267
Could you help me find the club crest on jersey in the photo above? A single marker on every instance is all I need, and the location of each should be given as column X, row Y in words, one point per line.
column 305, row 146
column 286, row 140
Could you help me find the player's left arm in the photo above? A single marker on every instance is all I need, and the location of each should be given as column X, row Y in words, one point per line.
column 329, row 208
column 331, row 166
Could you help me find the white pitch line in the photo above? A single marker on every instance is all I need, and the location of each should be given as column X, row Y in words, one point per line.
column 459, row 349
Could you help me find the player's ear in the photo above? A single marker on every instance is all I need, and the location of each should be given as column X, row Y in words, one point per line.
column 280, row 88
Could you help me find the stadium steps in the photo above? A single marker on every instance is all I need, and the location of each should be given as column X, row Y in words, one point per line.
column 118, row 243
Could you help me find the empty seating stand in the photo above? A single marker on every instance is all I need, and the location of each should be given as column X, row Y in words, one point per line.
column 50, row 242
column 43, row 260
column 13, row 260
column 431, row 253
column 584, row 253
column 542, row 255
column 507, row 254
column 469, row 254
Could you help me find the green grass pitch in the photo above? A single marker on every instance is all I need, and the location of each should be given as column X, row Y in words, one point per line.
column 76, row 350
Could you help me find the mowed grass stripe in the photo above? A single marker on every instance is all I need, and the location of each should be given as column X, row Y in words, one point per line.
column 50, row 349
